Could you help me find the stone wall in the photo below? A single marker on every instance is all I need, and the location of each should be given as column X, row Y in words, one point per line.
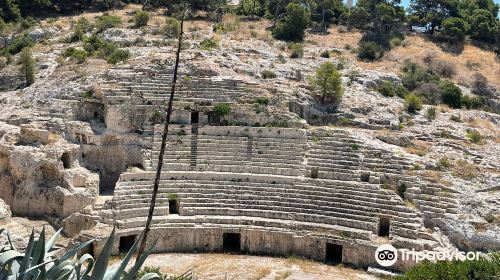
column 41, row 174
column 257, row 242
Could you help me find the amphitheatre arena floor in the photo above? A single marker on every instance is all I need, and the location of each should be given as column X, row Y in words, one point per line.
column 247, row 267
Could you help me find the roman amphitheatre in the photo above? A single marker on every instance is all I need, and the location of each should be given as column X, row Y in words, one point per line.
column 254, row 165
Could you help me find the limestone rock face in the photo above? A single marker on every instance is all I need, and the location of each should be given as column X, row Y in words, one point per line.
column 39, row 34
column 370, row 78
column 42, row 174
column 4, row 210
column 468, row 238
column 19, row 230
column 77, row 222
column 53, row 133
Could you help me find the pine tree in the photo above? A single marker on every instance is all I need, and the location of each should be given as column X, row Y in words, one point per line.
column 328, row 83
column 28, row 65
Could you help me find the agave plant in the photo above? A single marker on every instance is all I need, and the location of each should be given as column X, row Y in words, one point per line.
column 39, row 262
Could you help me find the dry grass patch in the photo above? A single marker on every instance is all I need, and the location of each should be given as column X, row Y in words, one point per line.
column 465, row 170
column 283, row 275
column 420, row 148
column 253, row 30
column 418, row 48
column 261, row 272
column 484, row 124
column 435, row 177
column 336, row 39
column 481, row 227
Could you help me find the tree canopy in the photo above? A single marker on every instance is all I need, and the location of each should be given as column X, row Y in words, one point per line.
column 327, row 83
column 380, row 20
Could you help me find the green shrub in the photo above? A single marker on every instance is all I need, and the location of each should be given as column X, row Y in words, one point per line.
column 480, row 85
column 157, row 117
column 431, row 113
column 430, row 92
column 78, row 55
column 342, row 63
column 395, row 42
column 87, row 94
column 444, row 162
column 456, row 118
column 281, row 58
column 98, row 47
column 150, row 269
column 172, row 27
column 93, row 45
column 474, row 136
column 327, row 83
column 292, row 26
column 413, row 103
column 208, row 44
column 473, row 102
column 343, row 121
column 107, row 21
column 443, row 68
column 483, row 268
column 3, row 25
column 414, row 75
column 386, row 89
column 268, row 74
column 118, row 55
column 231, row 26
column 141, row 18
column 297, row 50
column 451, row 94
column 370, row 51
column 222, row 109
column 17, row 45
column 3, row 62
column 402, row 190
column 262, row 101
column 9, row 11
column 455, row 28
column 28, row 65
column 173, row 196
column 401, row 91
column 82, row 26
column 484, row 25
column 27, row 23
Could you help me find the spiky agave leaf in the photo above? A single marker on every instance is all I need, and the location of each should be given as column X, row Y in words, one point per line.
column 150, row 276
column 86, row 258
column 2, row 230
column 6, row 260
column 138, row 264
column 52, row 241
column 33, row 264
column 101, row 264
column 25, row 263
column 121, row 268
column 38, row 257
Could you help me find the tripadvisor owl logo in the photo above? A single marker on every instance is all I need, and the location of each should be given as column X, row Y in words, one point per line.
column 386, row 255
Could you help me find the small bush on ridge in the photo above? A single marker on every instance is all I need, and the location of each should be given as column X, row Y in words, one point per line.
column 370, row 51
column 413, row 103
column 141, row 18
column 268, row 74
column 297, row 50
